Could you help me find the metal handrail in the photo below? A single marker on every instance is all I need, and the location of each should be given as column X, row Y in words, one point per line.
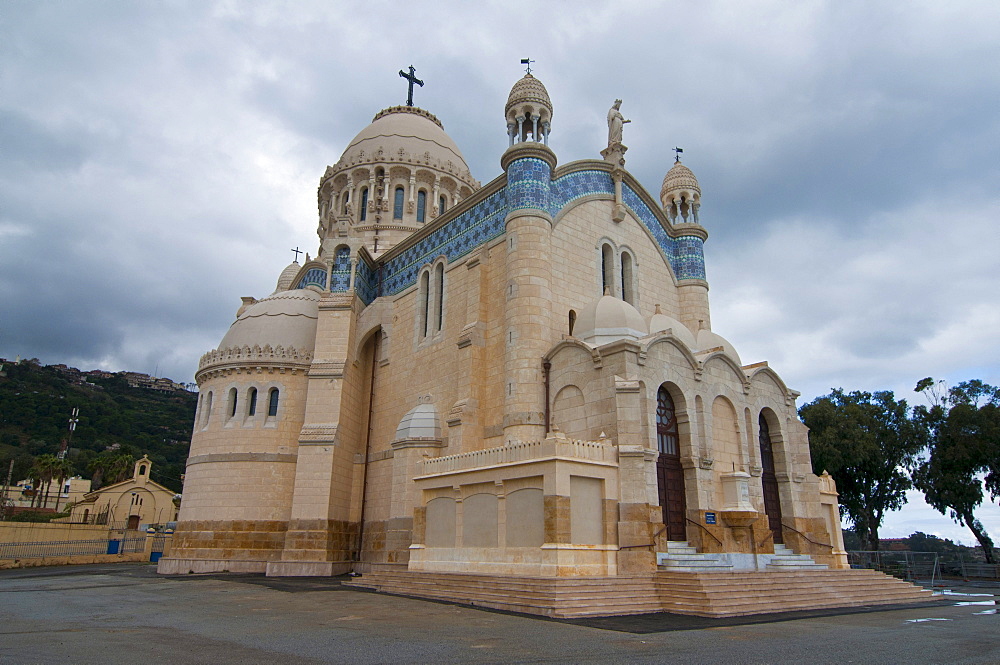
column 700, row 526
column 806, row 537
column 652, row 544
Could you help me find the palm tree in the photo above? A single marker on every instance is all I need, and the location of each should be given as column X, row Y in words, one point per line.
column 60, row 471
column 110, row 466
column 42, row 472
column 121, row 467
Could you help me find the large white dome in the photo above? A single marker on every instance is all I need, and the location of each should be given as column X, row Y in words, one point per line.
column 286, row 319
column 418, row 133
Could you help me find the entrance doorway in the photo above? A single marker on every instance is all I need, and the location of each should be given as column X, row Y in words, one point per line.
column 669, row 473
column 772, row 501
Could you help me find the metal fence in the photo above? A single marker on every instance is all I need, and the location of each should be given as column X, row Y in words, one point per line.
column 60, row 548
column 910, row 566
column 978, row 570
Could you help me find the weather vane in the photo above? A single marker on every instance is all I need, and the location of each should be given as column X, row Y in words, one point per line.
column 526, row 61
column 413, row 80
column 678, row 151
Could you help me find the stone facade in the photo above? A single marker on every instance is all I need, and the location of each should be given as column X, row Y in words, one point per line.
column 518, row 378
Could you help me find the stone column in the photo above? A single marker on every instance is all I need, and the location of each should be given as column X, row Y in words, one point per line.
column 528, row 330
column 435, row 209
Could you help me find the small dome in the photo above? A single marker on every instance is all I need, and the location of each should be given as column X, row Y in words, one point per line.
column 285, row 319
column 679, row 183
column 660, row 322
column 528, row 96
column 418, row 133
column 708, row 340
column 609, row 319
column 420, row 422
column 286, row 277
column 680, row 177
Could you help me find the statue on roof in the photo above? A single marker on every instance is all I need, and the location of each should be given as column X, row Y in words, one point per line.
column 616, row 122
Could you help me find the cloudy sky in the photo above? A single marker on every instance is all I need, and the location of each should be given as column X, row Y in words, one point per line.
column 159, row 160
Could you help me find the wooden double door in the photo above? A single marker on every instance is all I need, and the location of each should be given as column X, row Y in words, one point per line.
column 772, row 500
column 669, row 473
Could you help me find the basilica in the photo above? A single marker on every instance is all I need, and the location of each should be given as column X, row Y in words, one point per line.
column 476, row 384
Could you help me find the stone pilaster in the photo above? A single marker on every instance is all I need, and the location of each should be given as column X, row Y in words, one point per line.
column 322, row 530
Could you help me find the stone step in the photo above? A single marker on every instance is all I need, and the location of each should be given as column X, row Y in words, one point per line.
column 699, row 593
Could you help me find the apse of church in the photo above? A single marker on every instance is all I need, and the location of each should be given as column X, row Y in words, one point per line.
column 511, row 378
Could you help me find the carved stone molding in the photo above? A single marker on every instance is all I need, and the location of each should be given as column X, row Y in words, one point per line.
column 256, row 359
column 327, row 369
column 318, row 433
column 626, row 385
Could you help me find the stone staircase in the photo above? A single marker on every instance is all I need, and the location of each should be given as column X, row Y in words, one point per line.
column 786, row 559
column 682, row 558
column 716, row 594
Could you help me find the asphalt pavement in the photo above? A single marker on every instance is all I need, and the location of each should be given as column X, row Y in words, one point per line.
column 126, row 613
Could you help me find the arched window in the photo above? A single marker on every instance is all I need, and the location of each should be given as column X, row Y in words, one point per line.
column 272, row 403
column 142, row 469
column 425, row 302
column 607, row 269
column 572, row 320
column 207, row 411
column 666, row 423
column 442, row 204
column 439, row 299
column 232, row 402
column 397, row 204
column 421, row 206
column 628, row 294
column 364, row 203
column 252, row 402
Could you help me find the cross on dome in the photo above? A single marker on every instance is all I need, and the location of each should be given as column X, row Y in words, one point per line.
column 411, row 78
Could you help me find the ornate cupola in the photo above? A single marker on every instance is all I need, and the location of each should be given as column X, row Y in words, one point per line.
column 528, row 111
column 680, row 194
column 400, row 172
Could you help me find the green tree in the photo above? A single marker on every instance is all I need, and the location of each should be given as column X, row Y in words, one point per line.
column 110, row 467
column 867, row 442
column 42, row 473
column 61, row 469
column 962, row 424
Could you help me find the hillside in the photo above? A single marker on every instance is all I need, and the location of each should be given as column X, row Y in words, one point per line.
column 35, row 406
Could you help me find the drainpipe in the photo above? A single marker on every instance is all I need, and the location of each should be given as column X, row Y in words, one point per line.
column 546, row 366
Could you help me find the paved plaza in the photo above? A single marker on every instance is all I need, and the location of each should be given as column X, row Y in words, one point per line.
column 125, row 613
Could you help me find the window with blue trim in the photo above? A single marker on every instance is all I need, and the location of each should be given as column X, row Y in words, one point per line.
column 421, row 206
column 397, row 204
column 340, row 277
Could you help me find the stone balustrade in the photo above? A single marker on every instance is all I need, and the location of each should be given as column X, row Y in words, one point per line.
column 519, row 452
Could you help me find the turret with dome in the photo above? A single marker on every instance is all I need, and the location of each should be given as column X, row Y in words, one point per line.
column 516, row 380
